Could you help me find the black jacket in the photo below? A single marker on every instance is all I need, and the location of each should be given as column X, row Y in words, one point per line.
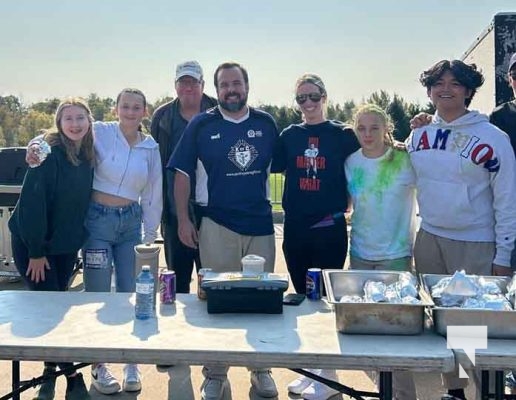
column 167, row 127
column 53, row 203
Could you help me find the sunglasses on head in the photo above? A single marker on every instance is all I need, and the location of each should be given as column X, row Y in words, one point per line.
column 302, row 98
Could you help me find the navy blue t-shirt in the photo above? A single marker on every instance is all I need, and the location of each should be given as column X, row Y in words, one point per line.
column 312, row 157
column 236, row 158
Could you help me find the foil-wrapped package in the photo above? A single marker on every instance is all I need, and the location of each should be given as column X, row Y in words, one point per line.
column 473, row 302
column 496, row 302
column 511, row 287
column 350, row 299
column 391, row 293
column 406, row 285
column 488, row 302
column 374, row 292
column 453, row 292
column 410, row 300
column 488, row 287
column 41, row 149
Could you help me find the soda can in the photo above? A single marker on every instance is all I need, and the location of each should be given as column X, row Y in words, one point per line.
column 314, row 284
column 167, row 287
column 201, row 293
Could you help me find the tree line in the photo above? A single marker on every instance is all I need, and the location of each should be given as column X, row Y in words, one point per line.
column 19, row 122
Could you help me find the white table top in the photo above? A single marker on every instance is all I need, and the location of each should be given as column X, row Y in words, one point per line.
column 15, row 189
column 96, row 327
column 499, row 355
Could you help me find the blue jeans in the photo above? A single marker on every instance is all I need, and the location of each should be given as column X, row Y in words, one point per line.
column 114, row 231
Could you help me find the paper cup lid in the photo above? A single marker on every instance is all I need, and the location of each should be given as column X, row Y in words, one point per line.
column 253, row 259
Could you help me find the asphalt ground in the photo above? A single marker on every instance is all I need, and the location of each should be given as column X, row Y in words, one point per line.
column 183, row 382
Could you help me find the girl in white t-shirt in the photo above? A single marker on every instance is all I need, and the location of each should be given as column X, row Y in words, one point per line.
column 381, row 185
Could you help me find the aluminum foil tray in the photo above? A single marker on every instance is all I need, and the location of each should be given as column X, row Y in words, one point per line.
column 500, row 324
column 372, row 318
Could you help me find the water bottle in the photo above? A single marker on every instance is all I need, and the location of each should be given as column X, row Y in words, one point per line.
column 144, row 294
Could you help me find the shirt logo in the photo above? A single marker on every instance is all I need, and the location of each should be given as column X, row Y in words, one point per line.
column 242, row 154
column 214, row 137
column 251, row 133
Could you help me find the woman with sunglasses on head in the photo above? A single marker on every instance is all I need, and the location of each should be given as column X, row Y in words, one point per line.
column 312, row 155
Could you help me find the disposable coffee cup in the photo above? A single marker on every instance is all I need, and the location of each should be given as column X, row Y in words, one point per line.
column 253, row 264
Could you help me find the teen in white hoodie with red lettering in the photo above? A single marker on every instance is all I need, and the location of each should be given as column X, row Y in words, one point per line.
column 465, row 185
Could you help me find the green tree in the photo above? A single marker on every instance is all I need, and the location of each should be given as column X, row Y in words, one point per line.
column 102, row 109
column 49, row 106
column 397, row 109
column 381, row 99
column 2, row 139
column 31, row 125
column 11, row 112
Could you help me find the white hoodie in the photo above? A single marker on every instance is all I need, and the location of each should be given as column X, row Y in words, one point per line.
column 465, row 178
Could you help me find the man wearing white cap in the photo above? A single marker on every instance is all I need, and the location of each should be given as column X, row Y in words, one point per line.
column 504, row 117
column 168, row 123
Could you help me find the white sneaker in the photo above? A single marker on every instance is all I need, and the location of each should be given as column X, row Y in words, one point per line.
column 319, row 391
column 263, row 384
column 132, row 378
column 298, row 385
column 213, row 389
column 103, row 381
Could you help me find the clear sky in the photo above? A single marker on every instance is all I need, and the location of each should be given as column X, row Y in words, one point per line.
column 56, row 48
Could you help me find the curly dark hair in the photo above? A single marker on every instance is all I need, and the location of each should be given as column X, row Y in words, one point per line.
column 466, row 74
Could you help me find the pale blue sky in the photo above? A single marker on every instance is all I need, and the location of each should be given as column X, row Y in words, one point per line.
column 52, row 48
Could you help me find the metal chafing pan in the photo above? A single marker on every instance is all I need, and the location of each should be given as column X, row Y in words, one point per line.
column 371, row 318
column 500, row 324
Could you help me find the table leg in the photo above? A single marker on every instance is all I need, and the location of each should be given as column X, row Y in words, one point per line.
column 385, row 385
column 484, row 385
column 499, row 385
column 16, row 379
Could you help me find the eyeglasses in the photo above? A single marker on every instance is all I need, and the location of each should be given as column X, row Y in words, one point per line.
column 314, row 97
column 188, row 82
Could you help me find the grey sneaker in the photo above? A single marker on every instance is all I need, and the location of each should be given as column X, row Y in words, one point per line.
column 263, row 384
column 132, row 378
column 76, row 389
column 47, row 389
column 213, row 389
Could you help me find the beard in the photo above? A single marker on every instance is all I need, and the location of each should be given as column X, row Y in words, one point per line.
column 233, row 107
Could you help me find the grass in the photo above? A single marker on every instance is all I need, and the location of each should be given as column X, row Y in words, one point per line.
column 276, row 187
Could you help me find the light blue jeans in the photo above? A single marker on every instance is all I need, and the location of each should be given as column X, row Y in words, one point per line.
column 114, row 231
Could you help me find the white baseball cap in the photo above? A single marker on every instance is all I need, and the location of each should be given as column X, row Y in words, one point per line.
column 189, row 68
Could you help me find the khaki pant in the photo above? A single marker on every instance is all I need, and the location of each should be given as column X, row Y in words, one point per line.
column 437, row 255
column 222, row 249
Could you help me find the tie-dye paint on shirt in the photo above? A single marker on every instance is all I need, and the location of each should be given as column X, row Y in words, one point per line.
column 383, row 196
